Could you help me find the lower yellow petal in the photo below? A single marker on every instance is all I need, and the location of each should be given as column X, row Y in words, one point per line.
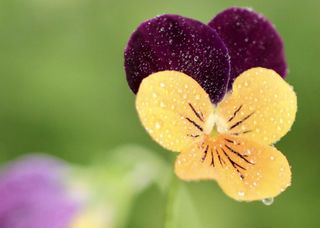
column 196, row 163
column 173, row 108
column 252, row 171
column 245, row 170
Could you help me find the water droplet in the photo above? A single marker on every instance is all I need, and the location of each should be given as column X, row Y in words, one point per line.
column 241, row 193
column 268, row 201
column 162, row 85
column 157, row 125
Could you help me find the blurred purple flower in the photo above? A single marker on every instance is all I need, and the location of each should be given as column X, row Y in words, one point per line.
column 33, row 195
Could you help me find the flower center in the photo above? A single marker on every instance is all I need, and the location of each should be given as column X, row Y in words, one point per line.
column 215, row 125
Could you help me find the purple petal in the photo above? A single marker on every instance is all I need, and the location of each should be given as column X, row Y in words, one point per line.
column 172, row 42
column 252, row 41
column 32, row 195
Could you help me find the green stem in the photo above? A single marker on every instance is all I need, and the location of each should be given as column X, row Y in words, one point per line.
column 169, row 213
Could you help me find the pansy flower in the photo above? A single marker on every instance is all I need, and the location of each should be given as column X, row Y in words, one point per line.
column 205, row 91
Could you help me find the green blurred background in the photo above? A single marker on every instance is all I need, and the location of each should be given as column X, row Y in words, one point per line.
column 63, row 92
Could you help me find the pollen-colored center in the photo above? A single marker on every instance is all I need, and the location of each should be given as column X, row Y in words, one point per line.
column 215, row 125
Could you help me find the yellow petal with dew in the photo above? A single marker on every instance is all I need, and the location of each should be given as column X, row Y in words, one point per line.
column 245, row 170
column 174, row 109
column 196, row 162
column 261, row 107
column 251, row 171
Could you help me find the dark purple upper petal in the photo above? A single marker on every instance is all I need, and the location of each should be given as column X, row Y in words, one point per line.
column 251, row 39
column 32, row 195
column 172, row 42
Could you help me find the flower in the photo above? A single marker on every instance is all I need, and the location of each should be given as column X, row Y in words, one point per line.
column 191, row 98
column 235, row 40
column 230, row 142
column 32, row 194
column 39, row 191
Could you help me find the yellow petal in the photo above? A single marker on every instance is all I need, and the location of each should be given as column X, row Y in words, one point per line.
column 245, row 170
column 261, row 107
column 174, row 109
column 196, row 162
column 251, row 171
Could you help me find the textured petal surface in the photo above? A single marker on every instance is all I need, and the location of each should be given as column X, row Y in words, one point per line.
column 171, row 42
column 173, row 108
column 251, row 171
column 261, row 107
column 245, row 170
column 32, row 195
column 252, row 41
column 196, row 163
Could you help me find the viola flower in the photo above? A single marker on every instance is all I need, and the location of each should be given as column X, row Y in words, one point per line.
column 180, row 70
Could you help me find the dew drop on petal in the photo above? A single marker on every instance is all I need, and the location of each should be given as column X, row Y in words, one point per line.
column 241, row 193
column 157, row 125
column 268, row 201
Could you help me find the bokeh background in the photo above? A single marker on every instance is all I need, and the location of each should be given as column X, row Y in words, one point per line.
column 63, row 92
